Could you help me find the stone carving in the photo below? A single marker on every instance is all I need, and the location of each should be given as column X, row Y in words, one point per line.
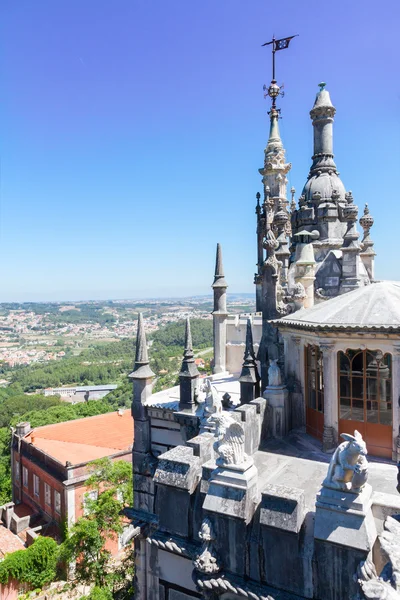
column 348, row 469
column 212, row 405
column 230, row 441
column 206, row 562
column 274, row 374
column 387, row 585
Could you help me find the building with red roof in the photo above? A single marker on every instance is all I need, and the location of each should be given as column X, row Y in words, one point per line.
column 50, row 466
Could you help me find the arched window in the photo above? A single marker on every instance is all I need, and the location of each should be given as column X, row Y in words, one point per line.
column 365, row 386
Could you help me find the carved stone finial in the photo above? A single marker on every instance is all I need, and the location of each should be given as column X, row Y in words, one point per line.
column 230, row 441
column 207, row 561
column 348, row 469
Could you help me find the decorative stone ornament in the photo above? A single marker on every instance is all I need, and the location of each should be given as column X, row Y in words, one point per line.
column 348, row 469
column 230, row 441
column 207, row 561
column 387, row 585
column 274, row 374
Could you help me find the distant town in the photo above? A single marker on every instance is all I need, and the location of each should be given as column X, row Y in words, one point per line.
column 43, row 332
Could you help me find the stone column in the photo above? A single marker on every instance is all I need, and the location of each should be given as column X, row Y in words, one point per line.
column 330, row 394
column 396, row 401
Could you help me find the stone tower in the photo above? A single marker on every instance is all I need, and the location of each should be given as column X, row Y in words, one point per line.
column 327, row 212
column 220, row 314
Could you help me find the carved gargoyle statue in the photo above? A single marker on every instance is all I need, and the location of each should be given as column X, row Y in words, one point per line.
column 348, row 469
column 230, row 441
column 206, row 561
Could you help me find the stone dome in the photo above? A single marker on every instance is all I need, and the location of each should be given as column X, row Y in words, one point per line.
column 324, row 183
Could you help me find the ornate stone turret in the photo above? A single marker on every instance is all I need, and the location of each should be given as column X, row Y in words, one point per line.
column 219, row 314
column 188, row 376
column 367, row 245
column 275, row 170
column 249, row 377
column 324, row 191
column 324, row 211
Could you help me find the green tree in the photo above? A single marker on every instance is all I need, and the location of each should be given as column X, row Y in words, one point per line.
column 36, row 566
column 85, row 544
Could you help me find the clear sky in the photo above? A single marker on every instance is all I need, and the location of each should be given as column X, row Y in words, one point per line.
column 131, row 133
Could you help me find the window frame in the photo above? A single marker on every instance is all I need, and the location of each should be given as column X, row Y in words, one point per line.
column 365, row 383
column 17, row 471
column 47, row 494
column 57, row 502
column 36, row 485
column 25, row 477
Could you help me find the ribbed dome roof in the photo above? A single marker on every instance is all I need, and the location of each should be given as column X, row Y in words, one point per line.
column 324, row 183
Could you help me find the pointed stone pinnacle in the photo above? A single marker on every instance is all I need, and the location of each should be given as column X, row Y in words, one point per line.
column 249, row 376
column 219, row 278
column 249, row 349
column 141, row 369
column 188, row 368
column 188, row 352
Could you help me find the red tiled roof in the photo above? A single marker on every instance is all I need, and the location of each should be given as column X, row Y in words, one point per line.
column 85, row 439
column 9, row 542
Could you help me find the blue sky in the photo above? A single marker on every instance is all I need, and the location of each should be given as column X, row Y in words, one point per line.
column 131, row 133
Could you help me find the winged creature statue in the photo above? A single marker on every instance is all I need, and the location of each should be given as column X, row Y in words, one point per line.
column 229, row 446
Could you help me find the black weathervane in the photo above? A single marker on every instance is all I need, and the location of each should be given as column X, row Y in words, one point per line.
column 274, row 90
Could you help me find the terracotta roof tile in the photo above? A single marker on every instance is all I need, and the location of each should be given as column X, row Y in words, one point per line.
column 9, row 542
column 86, row 439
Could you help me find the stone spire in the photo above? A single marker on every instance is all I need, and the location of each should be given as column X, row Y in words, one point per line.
column 219, row 314
column 219, row 277
column 141, row 369
column 249, row 377
column 367, row 245
column 189, row 374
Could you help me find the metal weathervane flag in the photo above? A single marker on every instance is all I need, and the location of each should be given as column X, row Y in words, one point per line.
column 283, row 43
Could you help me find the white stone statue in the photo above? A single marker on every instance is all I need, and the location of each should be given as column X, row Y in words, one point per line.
column 348, row 469
column 230, row 441
column 274, row 373
column 387, row 585
column 206, row 561
column 212, row 405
